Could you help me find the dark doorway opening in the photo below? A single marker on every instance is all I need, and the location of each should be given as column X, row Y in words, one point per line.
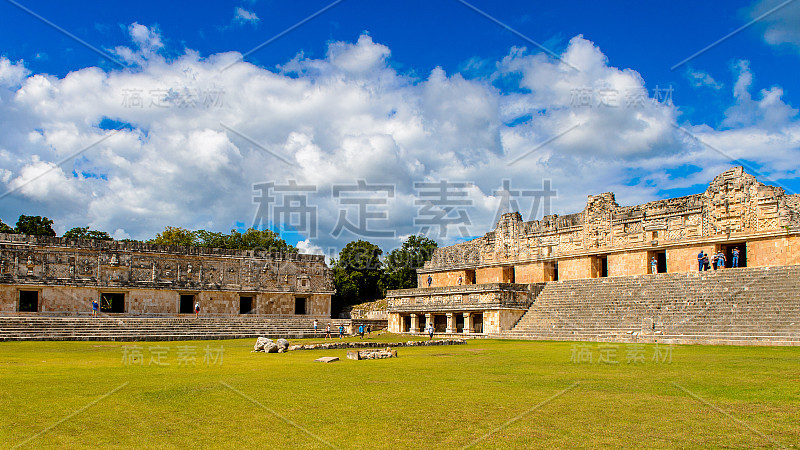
column 112, row 302
column 187, row 304
column 470, row 276
column 551, row 271
column 599, row 266
column 477, row 323
column 300, row 306
column 422, row 323
column 246, row 305
column 661, row 261
column 459, row 323
column 727, row 249
column 406, row 325
column 440, row 323
column 29, row 301
column 508, row 274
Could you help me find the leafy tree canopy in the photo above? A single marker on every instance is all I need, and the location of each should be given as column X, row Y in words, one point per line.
column 251, row 239
column 86, row 233
column 35, row 225
column 401, row 263
column 5, row 228
column 357, row 274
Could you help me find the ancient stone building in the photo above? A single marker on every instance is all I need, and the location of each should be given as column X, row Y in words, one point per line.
column 484, row 285
column 56, row 275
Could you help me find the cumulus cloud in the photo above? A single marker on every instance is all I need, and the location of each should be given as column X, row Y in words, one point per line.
column 197, row 145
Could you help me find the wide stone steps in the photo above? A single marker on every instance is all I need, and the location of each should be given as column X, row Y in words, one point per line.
column 759, row 305
column 155, row 329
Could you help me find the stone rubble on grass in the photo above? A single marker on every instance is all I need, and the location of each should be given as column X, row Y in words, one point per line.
column 371, row 354
column 282, row 345
column 260, row 343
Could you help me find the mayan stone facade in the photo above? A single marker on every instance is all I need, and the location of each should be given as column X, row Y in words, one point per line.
column 606, row 240
column 56, row 275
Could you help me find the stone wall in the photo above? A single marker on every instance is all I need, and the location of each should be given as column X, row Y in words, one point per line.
column 735, row 208
column 68, row 274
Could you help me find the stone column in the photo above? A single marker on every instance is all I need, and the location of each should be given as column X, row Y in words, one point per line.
column 414, row 323
column 467, row 322
column 451, row 323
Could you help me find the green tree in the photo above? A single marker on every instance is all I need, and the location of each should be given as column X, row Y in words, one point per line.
column 5, row 228
column 35, row 225
column 252, row 239
column 175, row 236
column 357, row 275
column 86, row 233
column 401, row 263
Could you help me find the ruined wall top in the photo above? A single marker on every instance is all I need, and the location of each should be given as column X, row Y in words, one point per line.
column 735, row 204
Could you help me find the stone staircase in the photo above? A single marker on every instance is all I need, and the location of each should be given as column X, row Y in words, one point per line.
column 746, row 306
column 125, row 328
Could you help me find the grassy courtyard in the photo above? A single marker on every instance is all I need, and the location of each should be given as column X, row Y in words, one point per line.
column 487, row 393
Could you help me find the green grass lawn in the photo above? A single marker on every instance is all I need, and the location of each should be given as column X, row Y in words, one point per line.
column 488, row 392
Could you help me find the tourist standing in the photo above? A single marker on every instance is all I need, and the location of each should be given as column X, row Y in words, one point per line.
column 369, row 329
column 735, row 259
column 459, row 280
column 700, row 264
column 706, row 265
column 430, row 280
column 341, row 331
column 315, row 327
column 653, row 265
column 328, row 332
column 361, row 331
column 197, row 310
column 95, row 307
column 714, row 261
column 430, row 331
column 720, row 260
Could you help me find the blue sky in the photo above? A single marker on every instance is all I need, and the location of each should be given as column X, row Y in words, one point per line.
column 742, row 91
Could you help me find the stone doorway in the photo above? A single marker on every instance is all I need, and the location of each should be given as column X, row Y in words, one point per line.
column 245, row 305
column 187, row 304
column 300, row 306
column 440, row 323
column 477, row 323
column 112, row 302
column 29, row 301
column 459, row 322
column 727, row 249
column 661, row 261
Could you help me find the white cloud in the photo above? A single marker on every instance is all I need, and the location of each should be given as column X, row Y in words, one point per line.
column 346, row 117
column 783, row 25
column 11, row 74
column 698, row 78
column 242, row 16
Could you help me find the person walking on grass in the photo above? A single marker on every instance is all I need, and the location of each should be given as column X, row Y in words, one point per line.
column 328, row 332
column 341, row 331
column 361, row 331
column 430, row 331
column 197, row 310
